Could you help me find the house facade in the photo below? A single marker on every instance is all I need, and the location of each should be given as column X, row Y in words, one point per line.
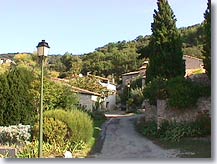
column 87, row 99
column 109, row 102
column 130, row 76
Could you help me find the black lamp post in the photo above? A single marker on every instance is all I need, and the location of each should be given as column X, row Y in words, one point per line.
column 42, row 51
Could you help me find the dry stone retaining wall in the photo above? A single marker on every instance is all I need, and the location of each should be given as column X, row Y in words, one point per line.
column 162, row 112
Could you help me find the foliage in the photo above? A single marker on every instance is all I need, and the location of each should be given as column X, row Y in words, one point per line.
column 56, row 95
column 192, row 36
column 71, row 64
column 165, row 59
column 31, row 150
column 195, row 51
column 4, row 68
column 148, row 129
column 136, row 83
column 55, row 63
column 112, row 59
column 53, row 74
column 137, row 96
column 15, row 134
column 125, row 95
column 63, row 130
column 207, row 39
column 54, row 131
column 155, row 89
column 98, row 119
column 16, row 98
column 174, row 131
column 78, row 149
column 80, row 124
column 182, row 93
column 25, row 60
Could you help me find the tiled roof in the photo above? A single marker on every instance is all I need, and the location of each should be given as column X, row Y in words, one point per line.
column 130, row 73
column 76, row 89
column 84, row 91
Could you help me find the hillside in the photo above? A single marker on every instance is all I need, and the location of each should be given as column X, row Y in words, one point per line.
column 116, row 58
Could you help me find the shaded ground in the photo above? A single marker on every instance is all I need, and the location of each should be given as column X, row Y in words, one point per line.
column 120, row 140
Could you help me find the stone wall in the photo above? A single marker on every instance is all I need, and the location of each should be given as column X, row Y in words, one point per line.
column 162, row 112
column 149, row 110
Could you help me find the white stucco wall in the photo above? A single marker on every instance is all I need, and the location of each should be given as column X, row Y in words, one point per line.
column 86, row 101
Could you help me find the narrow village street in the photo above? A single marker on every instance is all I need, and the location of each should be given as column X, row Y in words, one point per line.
column 120, row 140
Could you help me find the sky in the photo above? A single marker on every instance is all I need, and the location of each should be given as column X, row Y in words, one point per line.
column 80, row 26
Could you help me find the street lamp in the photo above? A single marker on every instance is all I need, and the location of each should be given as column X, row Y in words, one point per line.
column 42, row 51
column 128, row 91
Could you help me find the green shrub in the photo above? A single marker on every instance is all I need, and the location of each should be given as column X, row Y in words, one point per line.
column 49, row 150
column 54, row 131
column 155, row 90
column 136, row 83
column 174, row 132
column 204, row 91
column 182, row 93
column 202, row 125
column 148, row 128
column 79, row 123
column 56, row 95
column 137, row 96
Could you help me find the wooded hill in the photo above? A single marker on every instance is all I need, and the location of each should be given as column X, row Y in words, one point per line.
column 116, row 58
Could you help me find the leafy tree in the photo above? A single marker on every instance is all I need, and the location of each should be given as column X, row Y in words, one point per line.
column 76, row 65
column 192, row 35
column 55, row 63
column 207, row 43
column 66, row 60
column 56, row 95
column 165, row 58
column 113, row 58
column 4, row 67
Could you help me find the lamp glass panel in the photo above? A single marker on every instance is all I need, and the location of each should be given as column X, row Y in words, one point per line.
column 42, row 51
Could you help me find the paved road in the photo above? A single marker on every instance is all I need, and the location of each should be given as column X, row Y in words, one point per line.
column 121, row 141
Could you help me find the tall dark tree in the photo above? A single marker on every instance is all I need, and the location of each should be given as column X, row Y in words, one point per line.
column 207, row 38
column 165, row 47
column 16, row 99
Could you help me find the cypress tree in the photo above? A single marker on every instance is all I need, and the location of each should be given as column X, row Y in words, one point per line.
column 165, row 47
column 207, row 39
column 16, row 100
column 4, row 91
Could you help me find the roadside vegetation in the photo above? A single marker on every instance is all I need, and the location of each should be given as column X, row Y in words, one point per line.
column 67, row 127
column 181, row 93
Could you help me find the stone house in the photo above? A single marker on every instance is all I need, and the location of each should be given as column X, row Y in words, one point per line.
column 130, row 76
column 191, row 64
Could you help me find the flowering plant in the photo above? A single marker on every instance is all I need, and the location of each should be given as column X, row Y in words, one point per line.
column 15, row 134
